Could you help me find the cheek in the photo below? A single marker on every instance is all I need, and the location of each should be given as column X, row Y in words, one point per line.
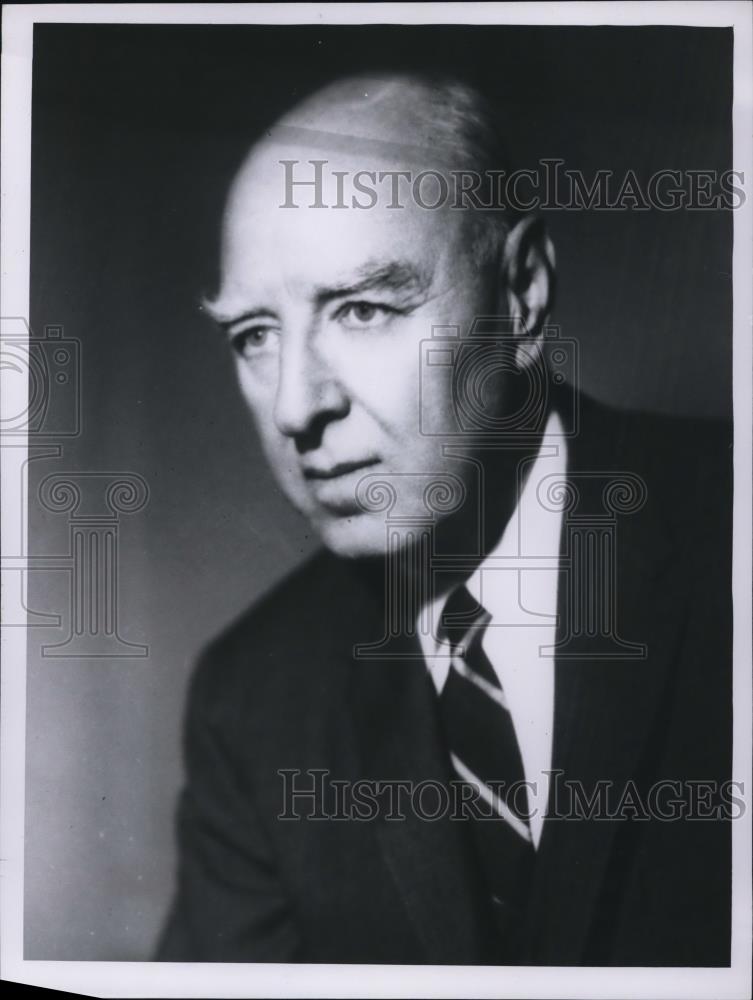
column 258, row 383
column 259, row 397
column 382, row 376
column 258, row 389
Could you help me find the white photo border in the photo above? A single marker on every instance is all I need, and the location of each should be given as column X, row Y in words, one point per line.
column 156, row 979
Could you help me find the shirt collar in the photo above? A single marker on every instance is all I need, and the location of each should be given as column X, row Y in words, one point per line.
column 532, row 530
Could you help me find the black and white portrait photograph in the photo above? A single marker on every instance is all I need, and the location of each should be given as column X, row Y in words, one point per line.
column 376, row 499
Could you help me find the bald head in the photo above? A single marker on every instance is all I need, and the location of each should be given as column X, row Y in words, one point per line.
column 429, row 122
column 429, row 128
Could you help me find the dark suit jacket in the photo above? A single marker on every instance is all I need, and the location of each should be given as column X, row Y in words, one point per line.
column 281, row 690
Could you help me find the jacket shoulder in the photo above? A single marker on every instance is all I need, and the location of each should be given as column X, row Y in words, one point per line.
column 287, row 613
column 685, row 462
column 291, row 646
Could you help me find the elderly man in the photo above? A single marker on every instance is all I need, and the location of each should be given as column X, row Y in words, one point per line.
column 490, row 722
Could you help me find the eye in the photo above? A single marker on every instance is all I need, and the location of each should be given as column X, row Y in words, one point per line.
column 363, row 312
column 252, row 341
column 363, row 315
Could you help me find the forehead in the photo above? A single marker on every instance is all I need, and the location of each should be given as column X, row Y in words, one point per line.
column 265, row 241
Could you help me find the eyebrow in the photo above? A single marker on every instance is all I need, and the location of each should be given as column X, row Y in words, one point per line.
column 392, row 276
column 228, row 319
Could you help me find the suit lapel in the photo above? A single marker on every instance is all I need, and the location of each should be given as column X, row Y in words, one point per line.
column 609, row 714
column 393, row 702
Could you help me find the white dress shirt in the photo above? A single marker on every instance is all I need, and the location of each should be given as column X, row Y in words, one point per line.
column 517, row 585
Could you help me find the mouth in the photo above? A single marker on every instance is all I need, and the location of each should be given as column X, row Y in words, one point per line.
column 334, row 486
column 339, row 471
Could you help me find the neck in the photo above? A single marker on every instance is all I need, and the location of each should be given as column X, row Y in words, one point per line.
column 425, row 567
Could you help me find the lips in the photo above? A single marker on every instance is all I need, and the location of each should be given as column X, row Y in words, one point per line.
column 324, row 473
column 333, row 487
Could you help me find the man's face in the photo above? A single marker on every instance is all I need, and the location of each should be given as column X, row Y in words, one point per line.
column 327, row 310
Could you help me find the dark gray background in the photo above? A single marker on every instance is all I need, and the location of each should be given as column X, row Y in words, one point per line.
column 136, row 131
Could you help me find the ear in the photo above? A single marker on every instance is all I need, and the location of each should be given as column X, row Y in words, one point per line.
column 528, row 281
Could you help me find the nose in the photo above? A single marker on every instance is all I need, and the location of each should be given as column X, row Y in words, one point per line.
column 309, row 395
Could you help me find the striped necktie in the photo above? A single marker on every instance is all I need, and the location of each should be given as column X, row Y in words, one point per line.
column 484, row 754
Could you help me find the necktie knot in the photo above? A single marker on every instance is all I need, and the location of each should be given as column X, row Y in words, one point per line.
column 462, row 620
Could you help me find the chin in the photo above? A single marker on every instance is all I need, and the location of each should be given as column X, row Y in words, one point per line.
column 355, row 537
